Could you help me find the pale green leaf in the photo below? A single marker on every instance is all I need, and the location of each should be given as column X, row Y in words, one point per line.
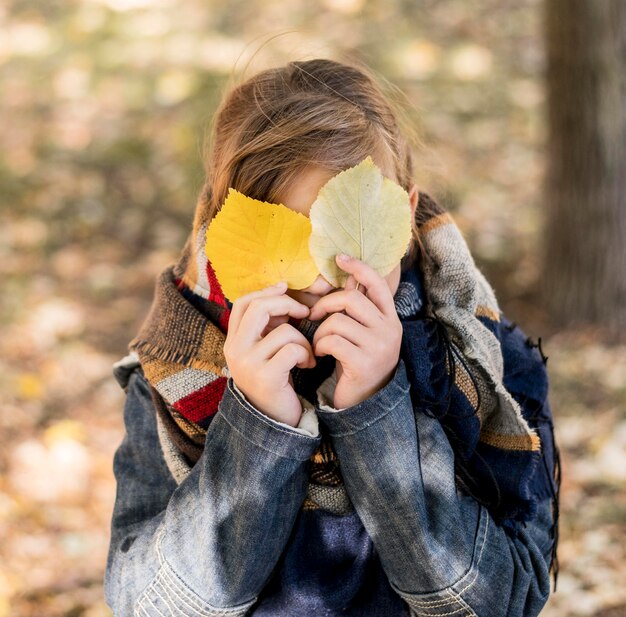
column 363, row 214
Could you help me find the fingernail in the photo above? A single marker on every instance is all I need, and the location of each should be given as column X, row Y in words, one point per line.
column 343, row 257
column 279, row 284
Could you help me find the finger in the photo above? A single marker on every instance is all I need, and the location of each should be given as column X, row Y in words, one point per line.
column 345, row 326
column 355, row 303
column 241, row 304
column 376, row 287
column 289, row 356
column 273, row 323
column 350, row 282
column 259, row 311
column 335, row 345
column 267, row 347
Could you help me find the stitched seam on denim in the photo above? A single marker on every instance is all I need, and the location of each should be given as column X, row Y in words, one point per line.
column 176, row 584
column 144, row 596
column 442, row 603
column 170, row 581
column 202, row 610
column 447, row 602
column 158, row 545
column 185, row 596
column 267, row 421
column 458, row 610
column 165, row 601
column 372, row 422
column 462, row 603
column 470, row 584
column 206, row 612
column 152, row 588
column 139, row 607
column 139, row 603
column 153, row 605
column 178, row 596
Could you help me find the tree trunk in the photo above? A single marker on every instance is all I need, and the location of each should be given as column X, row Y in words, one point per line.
column 585, row 215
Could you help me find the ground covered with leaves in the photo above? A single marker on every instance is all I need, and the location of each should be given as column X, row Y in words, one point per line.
column 104, row 103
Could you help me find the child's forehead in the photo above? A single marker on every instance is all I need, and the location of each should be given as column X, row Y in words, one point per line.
column 302, row 191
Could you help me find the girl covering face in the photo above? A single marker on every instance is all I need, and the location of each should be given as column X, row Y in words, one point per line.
column 299, row 197
column 325, row 451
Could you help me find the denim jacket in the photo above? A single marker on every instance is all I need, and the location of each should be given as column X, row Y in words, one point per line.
column 232, row 539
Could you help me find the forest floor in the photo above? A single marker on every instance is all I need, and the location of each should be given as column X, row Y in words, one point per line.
column 103, row 103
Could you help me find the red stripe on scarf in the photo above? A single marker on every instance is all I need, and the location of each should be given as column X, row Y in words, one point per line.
column 204, row 402
column 217, row 295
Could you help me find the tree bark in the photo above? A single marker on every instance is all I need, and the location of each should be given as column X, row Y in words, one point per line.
column 585, row 183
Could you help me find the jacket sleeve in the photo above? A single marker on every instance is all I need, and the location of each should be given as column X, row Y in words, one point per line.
column 208, row 545
column 441, row 550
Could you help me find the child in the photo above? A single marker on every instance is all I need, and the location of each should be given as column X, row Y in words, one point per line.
column 379, row 450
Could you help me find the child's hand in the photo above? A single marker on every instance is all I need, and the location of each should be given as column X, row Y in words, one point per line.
column 365, row 341
column 260, row 363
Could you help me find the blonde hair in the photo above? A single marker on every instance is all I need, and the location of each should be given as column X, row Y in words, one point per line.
column 320, row 112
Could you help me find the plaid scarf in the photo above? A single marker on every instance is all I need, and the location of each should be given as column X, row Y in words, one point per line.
column 472, row 369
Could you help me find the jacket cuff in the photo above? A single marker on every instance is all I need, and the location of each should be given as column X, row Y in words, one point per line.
column 363, row 414
column 326, row 393
column 265, row 432
column 308, row 424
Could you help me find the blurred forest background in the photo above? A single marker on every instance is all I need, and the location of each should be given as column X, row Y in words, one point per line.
column 103, row 108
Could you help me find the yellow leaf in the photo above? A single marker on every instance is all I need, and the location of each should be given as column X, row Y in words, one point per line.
column 29, row 386
column 252, row 244
column 363, row 214
column 65, row 429
column 5, row 607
